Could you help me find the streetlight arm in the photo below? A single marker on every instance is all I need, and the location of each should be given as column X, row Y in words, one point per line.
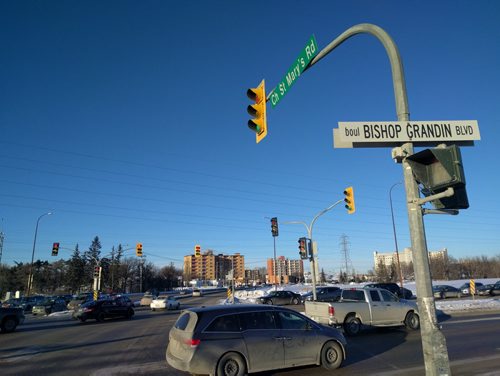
column 320, row 214
column 395, row 60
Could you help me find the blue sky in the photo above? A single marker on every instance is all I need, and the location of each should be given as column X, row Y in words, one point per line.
column 128, row 121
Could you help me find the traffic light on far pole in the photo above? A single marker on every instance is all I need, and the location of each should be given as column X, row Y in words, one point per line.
column 197, row 250
column 258, row 110
column 303, row 248
column 138, row 250
column 97, row 269
column 349, row 200
column 274, row 226
column 55, row 249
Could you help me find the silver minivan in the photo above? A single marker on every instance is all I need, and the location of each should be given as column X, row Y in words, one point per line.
column 233, row 340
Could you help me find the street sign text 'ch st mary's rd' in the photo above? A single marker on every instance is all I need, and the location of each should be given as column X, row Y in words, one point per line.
column 420, row 133
column 298, row 66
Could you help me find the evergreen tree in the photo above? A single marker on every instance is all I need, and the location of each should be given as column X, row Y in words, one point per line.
column 76, row 271
column 322, row 276
column 92, row 257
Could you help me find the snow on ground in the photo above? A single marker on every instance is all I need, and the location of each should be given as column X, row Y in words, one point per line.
column 465, row 304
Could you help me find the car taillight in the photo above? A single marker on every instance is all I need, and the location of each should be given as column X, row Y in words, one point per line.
column 331, row 311
column 193, row 342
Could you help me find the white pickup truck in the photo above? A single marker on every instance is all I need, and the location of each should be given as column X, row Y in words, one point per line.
column 365, row 306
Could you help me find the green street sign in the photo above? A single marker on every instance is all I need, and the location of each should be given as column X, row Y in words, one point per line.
column 298, row 66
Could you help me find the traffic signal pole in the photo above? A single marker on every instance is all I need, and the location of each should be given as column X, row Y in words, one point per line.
column 433, row 341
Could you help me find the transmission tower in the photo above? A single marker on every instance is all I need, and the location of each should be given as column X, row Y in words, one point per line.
column 344, row 243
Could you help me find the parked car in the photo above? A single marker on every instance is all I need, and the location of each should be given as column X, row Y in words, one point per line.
column 240, row 339
column 197, row 292
column 485, row 289
column 10, row 318
column 495, row 290
column 79, row 300
column 49, row 306
column 146, row 300
column 280, row 297
column 26, row 303
column 105, row 308
column 324, row 294
column 465, row 288
column 403, row 293
column 446, row 291
column 165, row 302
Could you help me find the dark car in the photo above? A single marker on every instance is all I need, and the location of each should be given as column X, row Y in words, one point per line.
column 240, row 339
column 26, row 303
column 324, row 294
column 10, row 318
column 49, row 306
column 281, row 297
column 495, row 290
column 106, row 308
column 484, row 289
column 446, row 291
column 394, row 288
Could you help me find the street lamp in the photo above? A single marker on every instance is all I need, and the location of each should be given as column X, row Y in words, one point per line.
column 314, row 262
column 30, row 279
column 395, row 238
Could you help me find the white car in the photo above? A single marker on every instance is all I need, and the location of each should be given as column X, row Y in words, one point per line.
column 164, row 302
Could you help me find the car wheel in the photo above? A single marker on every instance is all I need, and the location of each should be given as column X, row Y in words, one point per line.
column 100, row 317
column 231, row 364
column 352, row 325
column 331, row 355
column 152, row 309
column 82, row 319
column 412, row 321
column 442, row 295
column 130, row 313
column 269, row 301
column 9, row 325
column 295, row 301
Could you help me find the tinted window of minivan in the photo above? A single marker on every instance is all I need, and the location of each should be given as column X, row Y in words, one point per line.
column 182, row 321
column 226, row 323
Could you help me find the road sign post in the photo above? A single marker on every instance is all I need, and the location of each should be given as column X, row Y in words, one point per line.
column 433, row 341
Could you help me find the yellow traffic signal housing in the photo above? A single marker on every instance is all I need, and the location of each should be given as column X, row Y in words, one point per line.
column 349, row 200
column 197, row 250
column 258, row 110
column 138, row 250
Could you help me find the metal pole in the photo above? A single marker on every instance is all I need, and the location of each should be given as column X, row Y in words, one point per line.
column 275, row 266
column 433, row 341
column 314, row 261
column 395, row 238
column 30, row 278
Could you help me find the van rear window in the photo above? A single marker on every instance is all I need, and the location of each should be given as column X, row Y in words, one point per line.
column 182, row 321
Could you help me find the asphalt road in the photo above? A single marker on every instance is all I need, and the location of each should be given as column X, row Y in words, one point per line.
column 61, row 346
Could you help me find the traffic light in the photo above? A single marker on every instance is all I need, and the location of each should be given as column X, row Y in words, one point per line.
column 437, row 170
column 349, row 200
column 274, row 226
column 97, row 270
column 303, row 248
column 197, row 250
column 55, row 249
column 258, row 111
column 138, row 250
